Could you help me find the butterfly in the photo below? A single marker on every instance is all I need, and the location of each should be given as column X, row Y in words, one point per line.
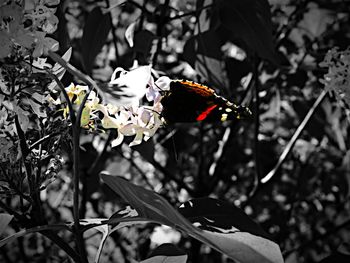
column 188, row 101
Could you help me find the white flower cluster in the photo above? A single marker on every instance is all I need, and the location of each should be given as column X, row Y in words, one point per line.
column 338, row 77
column 121, row 109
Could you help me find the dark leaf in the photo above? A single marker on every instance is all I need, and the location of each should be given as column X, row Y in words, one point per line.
column 207, row 43
column 203, row 53
column 144, row 42
column 239, row 245
column 5, row 219
column 95, row 34
column 166, row 253
column 167, row 249
column 219, row 216
column 236, row 70
column 248, row 23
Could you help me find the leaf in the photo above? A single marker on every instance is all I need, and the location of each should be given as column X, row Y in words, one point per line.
column 58, row 70
column 104, row 229
column 144, row 42
column 313, row 24
column 205, row 19
column 206, row 43
column 152, row 206
column 232, row 230
column 5, row 44
column 212, row 70
column 129, row 34
column 249, row 23
column 5, row 219
column 147, row 203
column 203, row 53
column 114, row 224
column 22, row 118
column 95, row 34
column 166, row 253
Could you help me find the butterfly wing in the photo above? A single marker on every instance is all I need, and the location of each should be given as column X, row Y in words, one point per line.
column 191, row 102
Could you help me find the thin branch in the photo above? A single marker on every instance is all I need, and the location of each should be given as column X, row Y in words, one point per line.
column 142, row 16
column 219, row 152
column 142, row 8
column 257, row 155
column 43, row 139
column 294, row 138
column 191, row 13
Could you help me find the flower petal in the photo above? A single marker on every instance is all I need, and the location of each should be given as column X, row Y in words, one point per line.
column 138, row 139
column 117, row 141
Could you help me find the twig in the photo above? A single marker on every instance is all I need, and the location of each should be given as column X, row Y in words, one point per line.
column 43, row 139
column 257, row 156
column 218, row 154
column 294, row 138
column 142, row 16
column 191, row 13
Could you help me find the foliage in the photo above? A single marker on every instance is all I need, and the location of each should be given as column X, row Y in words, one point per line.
column 252, row 188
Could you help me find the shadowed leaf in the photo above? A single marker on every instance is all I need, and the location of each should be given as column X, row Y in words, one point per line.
column 239, row 245
column 96, row 30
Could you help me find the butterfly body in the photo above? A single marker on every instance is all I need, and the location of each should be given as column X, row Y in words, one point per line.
column 187, row 101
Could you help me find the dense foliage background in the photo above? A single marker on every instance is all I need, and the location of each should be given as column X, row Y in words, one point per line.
column 264, row 55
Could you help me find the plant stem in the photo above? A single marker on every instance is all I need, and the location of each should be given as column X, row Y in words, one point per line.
column 294, row 138
column 75, row 119
column 76, row 180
